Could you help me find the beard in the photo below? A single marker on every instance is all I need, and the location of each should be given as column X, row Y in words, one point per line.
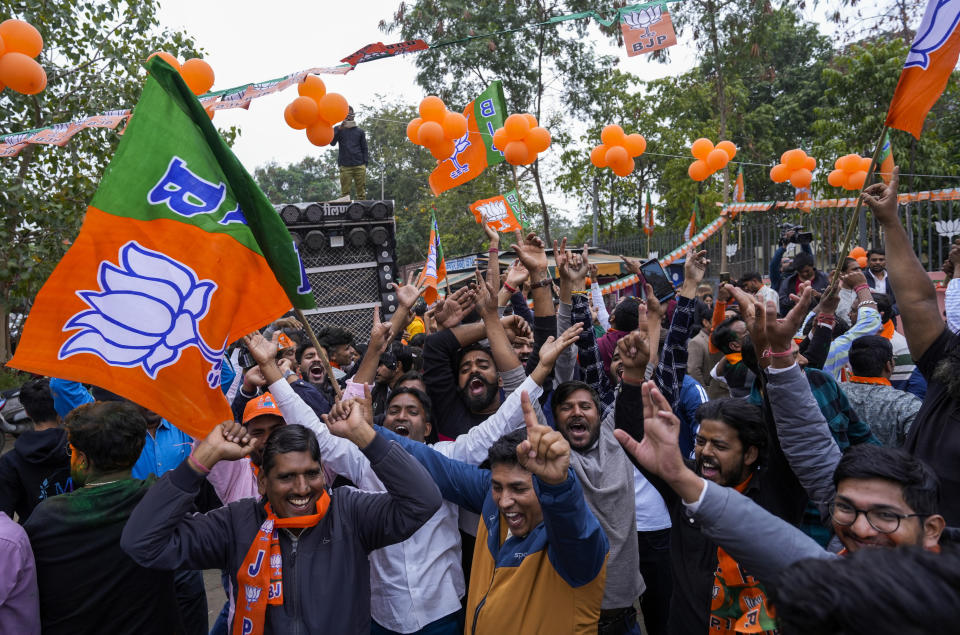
column 725, row 477
column 479, row 402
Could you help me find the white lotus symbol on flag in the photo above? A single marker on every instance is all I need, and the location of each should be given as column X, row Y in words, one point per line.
column 948, row 228
column 939, row 22
column 643, row 18
column 731, row 250
column 147, row 310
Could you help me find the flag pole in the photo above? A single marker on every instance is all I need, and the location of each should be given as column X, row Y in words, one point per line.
column 321, row 352
column 848, row 235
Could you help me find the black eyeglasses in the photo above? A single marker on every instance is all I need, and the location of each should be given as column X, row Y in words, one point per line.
column 885, row 521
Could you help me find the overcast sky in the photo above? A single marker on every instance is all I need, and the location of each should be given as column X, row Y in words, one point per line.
column 252, row 40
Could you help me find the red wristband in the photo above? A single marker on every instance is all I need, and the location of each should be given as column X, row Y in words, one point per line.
column 509, row 288
column 195, row 463
column 787, row 353
column 857, row 288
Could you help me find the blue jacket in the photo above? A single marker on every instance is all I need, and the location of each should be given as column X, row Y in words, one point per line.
column 550, row 580
column 692, row 396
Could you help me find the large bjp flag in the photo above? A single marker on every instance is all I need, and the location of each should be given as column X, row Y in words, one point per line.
column 474, row 152
column 180, row 254
column 435, row 268
column 931, row 60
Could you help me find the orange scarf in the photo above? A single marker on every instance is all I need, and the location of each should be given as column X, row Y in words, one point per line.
column 888, row 330
column 733, row 358
column 253, row 577
column 883, row 381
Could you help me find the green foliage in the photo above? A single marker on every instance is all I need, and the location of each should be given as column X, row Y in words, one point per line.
column 93, row 52
column 312, row 179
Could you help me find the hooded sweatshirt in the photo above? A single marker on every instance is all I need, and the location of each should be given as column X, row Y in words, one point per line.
column 36, row 469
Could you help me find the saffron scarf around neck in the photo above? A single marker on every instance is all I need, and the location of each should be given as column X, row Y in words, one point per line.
column 255, row 575
column 856, row 379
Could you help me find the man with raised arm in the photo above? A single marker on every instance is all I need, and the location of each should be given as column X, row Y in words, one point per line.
column 935, row 434
column 298, row 556
column 540, row 561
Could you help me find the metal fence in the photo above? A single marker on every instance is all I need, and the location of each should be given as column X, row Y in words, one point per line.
column 753, row 236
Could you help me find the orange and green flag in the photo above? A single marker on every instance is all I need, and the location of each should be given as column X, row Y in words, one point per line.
column 739, row 191
column 928, row 67
column 435, row 269
column 886, row 159
column 474, row 151
column 648, row 217
column 179, row 254
column 502, row 213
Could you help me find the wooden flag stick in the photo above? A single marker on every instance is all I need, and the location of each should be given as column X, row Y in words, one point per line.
column 848, row 235
column 322, row 352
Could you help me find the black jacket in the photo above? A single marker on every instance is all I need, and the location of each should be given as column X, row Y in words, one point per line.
column 788, row 286
column 353, row 146
column 693, row 556
column 881, row 287
column 36, row 469
column 326, row 574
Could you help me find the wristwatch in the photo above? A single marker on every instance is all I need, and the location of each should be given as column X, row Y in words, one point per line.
column 288, row 373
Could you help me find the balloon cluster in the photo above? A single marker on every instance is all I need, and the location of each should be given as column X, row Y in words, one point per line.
column 709, row 158
column 796, row 166
column 437, row 128
column 20, row 42
column 850, row 172
column 617, row 150
column 196, row 74
column 860, row 255
column 521, row 139
column 316, row 110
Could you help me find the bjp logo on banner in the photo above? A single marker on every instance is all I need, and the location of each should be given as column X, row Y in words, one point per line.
column 647, row 30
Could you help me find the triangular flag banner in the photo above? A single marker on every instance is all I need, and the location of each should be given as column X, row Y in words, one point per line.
column 180, row 253
column 647, row 29
column 648, row 217
column 886, row 159
column 739, row 191
column 691, row 227
column 504, row 213
column 931, row 60
column 435, row 269
column 474, row 151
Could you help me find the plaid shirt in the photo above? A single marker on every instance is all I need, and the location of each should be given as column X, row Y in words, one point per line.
column 845, row 424
column 670, row 369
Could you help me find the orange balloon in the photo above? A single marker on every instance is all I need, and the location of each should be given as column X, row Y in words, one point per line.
column 779, row 173
column 801, row 178
column 635, row 144
column 701, row 148
column 432, row 108
column 865, row 164
column 862, row 262
column 454, row 125
column 612, row 135
column 22, row 73
column 516, row 127
column 624, row 169
column 858, row 252
column 320, row 133
column 288, row 117
column 531, row 154
column 333, row 108
column 21, row 37
column 728, row 147
column 538, row 139
column 795, row 159
column 430, row 134
column 305, row 111
column 500, row 139
column 855, row 180
column 516, row 152
column 531, row 120
column 312, row 86
column 3, row 48
column 412, row 128
column 717, row 159
column 837, row 178
column 198, row 75
column 166, row 57
column 598, row 156
column 810, row 164
column 699, row 170
column 849, row 163
column 443, row 150
column 617, row 155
